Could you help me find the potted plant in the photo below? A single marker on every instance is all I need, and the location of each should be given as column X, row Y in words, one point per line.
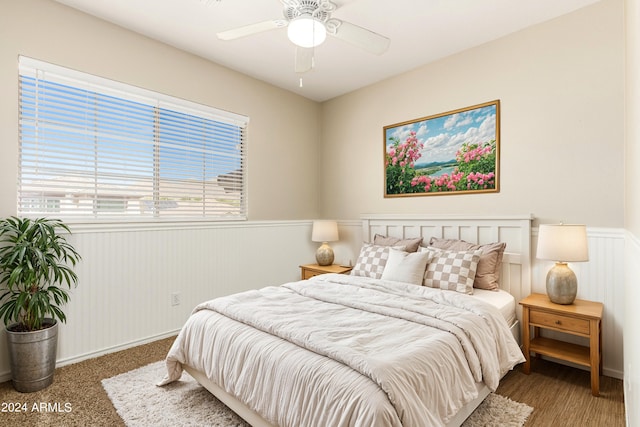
column 35, row 270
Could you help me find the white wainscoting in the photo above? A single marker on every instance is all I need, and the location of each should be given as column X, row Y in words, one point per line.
column 126, row 279
column 632, row 337
column 600, row 279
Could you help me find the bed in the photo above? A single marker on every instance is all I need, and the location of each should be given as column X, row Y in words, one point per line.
column 363, row 349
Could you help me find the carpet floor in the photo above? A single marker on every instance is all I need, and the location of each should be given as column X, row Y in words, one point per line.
column 185, row 403
column 560, row 395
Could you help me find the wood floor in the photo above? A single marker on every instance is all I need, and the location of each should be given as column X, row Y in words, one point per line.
column 560, row 395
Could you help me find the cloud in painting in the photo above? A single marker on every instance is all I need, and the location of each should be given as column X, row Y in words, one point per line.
column 442, row 136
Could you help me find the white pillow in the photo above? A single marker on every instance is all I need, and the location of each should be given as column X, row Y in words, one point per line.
column 406, row 267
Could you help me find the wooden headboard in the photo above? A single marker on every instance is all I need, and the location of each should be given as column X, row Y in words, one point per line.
column 514, row 230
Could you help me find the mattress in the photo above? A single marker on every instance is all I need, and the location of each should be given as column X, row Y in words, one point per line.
column 502, row 300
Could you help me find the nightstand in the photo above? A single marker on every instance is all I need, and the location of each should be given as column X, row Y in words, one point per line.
column 309, row 270
column 582, row 318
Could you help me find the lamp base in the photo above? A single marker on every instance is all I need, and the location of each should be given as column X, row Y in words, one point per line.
column 562, row 284
column 324, row 254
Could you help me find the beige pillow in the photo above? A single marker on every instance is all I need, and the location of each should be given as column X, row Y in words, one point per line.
column 371, row 261
column 488, row 273
column 408, row 267
column 412, row 245
column 451, row 270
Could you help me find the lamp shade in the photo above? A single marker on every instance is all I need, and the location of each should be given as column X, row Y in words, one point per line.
column 306, row 31
column 563, row 242
column 324, row 231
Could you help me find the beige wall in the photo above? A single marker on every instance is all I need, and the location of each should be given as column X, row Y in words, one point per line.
column 283, row 129
column 632, row 90
column 560, row 85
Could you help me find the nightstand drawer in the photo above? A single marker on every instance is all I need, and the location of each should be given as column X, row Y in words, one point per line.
column 558, row 321
column 308, row 271
column 308, row 274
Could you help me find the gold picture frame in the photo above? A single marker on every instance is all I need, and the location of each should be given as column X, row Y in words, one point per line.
column 456, row 152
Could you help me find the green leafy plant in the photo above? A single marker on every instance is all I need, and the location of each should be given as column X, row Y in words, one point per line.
column 34, row 266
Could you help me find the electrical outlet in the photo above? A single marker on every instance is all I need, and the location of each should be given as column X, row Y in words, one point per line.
column 175, row 298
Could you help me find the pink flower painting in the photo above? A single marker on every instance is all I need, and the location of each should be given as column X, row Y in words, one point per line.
column 449, row 153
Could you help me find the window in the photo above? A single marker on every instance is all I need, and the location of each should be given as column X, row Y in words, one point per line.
column 91, row 148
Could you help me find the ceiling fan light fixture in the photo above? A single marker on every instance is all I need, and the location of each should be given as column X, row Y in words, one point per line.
column 306, row 31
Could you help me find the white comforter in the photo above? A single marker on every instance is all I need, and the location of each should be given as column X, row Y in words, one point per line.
column 340, row 350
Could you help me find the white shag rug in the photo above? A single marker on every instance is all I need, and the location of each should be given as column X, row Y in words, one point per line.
column 139, row 402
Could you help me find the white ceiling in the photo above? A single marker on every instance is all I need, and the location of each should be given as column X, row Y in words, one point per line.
column 421, row 31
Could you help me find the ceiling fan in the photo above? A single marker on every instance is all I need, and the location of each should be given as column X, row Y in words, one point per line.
column 308, row 22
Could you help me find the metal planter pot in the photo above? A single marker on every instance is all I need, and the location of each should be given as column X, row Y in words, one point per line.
column 33, row 357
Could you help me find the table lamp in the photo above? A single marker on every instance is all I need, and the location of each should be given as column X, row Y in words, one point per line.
column 324, row 231
column 562, row 243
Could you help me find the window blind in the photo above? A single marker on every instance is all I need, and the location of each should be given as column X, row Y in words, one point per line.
column 99, row 149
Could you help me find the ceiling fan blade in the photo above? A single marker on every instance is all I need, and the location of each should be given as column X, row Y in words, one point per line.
column 251, row 29
column 304, row 59
column 362, row 38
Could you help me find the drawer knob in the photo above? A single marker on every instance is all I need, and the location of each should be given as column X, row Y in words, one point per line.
column 557, row 322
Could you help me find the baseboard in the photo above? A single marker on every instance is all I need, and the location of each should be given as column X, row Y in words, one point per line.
column 613, row 373
column 6, row 376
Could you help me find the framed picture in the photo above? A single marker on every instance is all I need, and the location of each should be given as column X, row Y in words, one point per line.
column 457, row 152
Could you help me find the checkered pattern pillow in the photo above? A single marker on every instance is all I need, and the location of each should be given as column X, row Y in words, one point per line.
column 452, row 270
column 371, row 261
